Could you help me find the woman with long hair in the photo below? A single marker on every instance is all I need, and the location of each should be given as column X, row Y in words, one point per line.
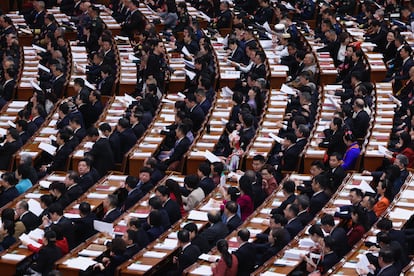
column 405, row 146
column 246, row 197
column 175, row 193
column 359, row 225
column 227, row 265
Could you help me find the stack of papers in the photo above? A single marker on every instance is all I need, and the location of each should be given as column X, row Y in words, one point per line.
column 139, row 267
column 197, row 215
column 81, row 263
column 154, row 254
column 202, row 270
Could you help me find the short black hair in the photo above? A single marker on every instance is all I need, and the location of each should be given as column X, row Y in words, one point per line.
column 244, row 234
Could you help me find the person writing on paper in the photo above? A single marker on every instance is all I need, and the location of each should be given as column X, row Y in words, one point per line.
column 62, row 152
column 61, row 241
column 228, row 263
column 47, row 255
column 386, row 262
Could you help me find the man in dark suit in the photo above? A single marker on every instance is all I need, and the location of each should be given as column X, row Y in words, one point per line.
column 196, row 239
column 206, row 183
column 333, row 45
column 378, row 36
column 59, row 159
column 290, row 154
column 288, row 190
column 86, row 175
column 360, row 123
column 134, row 193
column 248, row 131
column 217, row 230
column 30, row 220
column 294, row 225
column 63, row 112
column 244, row 253
column 224, row 18
column 258, row 69
column 178, row 151
column 303, row 203
column 101, row 152
column 188, row 254
column 233, row 221
column 58, row 82
column 202, row 100
column 135, row 119
column 8, row 87
column 134, row 21
column 194, row 112
column 385, row 225
column 237, row 54
column 93, row 71
column 144, row 183
column 319, row 197
column 75, row 123
column 126, row 135
column 11, row 146
column 171, row 206
column 112, row 212
column 73, row 189
column 132, row 248
column 336, row 174
column 36, row 18
column 108, row 54
column 407, row 63
column 338, row 234
column 386, row 262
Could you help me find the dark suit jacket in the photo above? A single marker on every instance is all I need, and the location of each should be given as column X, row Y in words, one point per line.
column 6, row 153
column 80, row 134
column 109, row 58
column 63, row 122
column 279, row 210
column 60, row 158
column 103, row 157
column 294, row 227
column 115, row 142
column 332, row 48
column 205, row 106
column 404, row 73
column 127, row 139
column 112, row 216
column 46, row 259
column 335, row 178
column 106, row 85
column 317, row 202
column 305, row 217
column 8, row 90
column 30, row 221
column 83, row 228
column 197, row 116
column 239, row 56
column 338, row 234
column 201, row 243
column 133, row 197
column 187, row 257
column 139, row 130
column 8, row 195
column 173, row 210
column 207, row 185
column 86, row 181
column 234, row 223
column 142, row 238
column 132, row 250
column 74, row 192
column 214, row 233
column 133, row 23
column 389, row 271
column 246, row 261
column 246, row 135
column 259, row 71
column 290, row 158
column 360, row 124
column 179, row 151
